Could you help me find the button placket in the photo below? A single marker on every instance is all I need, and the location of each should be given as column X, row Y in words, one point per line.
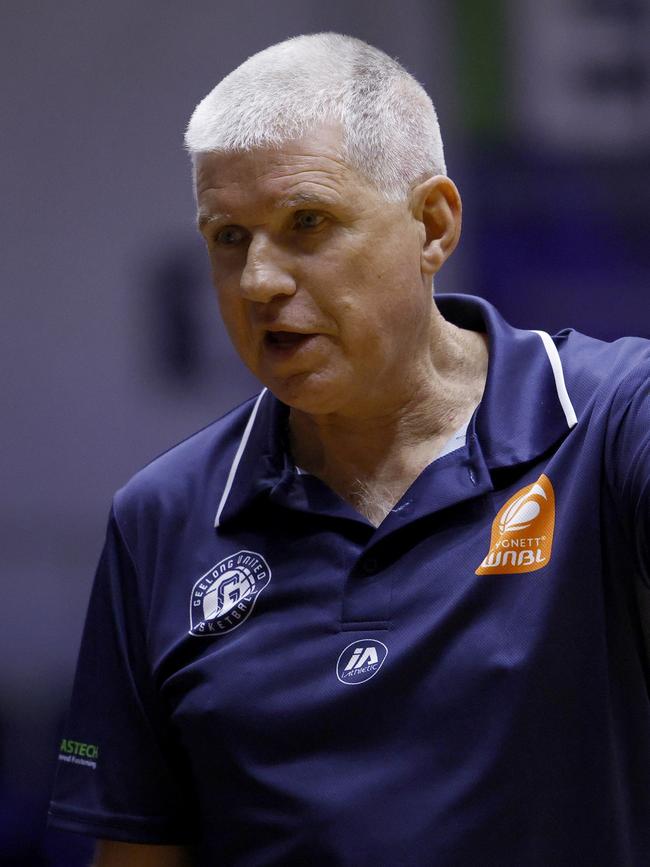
column 367, row 593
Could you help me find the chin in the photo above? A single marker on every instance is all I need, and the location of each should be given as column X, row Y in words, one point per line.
column 310, row 393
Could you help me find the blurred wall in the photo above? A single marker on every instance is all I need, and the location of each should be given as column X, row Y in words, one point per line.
column 112, row 349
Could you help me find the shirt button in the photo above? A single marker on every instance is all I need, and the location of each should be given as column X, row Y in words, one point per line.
column 369, row 565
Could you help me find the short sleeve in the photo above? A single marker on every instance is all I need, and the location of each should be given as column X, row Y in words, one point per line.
column 119, row 775
column 629, row 462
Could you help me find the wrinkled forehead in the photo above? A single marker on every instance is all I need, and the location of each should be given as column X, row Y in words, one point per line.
column 324, row 140
column 304, row 170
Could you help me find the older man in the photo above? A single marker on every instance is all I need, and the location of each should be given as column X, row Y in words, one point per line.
column 385, row 613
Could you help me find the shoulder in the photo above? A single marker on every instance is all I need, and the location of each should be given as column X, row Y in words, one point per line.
column 609, row 384
column 599, row 374
column 184, row 479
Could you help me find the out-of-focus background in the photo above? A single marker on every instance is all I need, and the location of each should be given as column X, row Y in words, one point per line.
column 112, row 349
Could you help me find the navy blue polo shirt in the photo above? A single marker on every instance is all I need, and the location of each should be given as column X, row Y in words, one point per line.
column 465, row 685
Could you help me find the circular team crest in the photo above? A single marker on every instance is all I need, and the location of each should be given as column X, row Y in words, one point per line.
column 224, row 597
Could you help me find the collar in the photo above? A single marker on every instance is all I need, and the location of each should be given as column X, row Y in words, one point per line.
column 525, row 408
column 524, row 412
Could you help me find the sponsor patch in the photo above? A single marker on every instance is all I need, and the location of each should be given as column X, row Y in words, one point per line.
column 79, row 753
column 361, row 660
column 225, row 596
column 522, row 532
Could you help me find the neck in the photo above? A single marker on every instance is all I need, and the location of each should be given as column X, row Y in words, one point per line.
column 372, row 457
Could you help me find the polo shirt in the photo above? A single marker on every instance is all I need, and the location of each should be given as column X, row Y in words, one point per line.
column 465, row 685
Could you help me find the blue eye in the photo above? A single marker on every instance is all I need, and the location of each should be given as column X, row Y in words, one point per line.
column 308, row 220
column 229, row 235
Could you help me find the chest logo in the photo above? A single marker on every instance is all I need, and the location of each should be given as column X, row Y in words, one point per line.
column 522, row 532
column 225, row 596
column 361, row 660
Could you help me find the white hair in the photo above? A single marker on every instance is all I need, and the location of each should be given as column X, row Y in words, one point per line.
column 390, row 131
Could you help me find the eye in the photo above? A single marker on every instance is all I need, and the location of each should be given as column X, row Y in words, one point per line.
column 308, row 220
column 229, row 235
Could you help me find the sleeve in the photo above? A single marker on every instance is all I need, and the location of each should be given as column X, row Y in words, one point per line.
column 118, row 774
column 630, row 462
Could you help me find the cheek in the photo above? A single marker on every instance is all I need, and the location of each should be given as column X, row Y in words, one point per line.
column 226, row 270
column 226, row 286
column 389, row 259
column 389, row 319
column 233, row 315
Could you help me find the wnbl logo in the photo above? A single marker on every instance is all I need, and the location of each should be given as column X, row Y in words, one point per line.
column 361, row 660
column 522, row 531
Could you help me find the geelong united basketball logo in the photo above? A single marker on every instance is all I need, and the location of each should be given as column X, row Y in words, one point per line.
column 522, row 532
column 225, row 596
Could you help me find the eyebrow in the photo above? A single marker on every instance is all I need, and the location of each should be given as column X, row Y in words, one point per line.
column 204, row 218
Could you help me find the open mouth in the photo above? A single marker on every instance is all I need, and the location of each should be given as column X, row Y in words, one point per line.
column 285, row 339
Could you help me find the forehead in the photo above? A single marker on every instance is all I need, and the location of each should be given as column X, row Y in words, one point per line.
column 304, row 171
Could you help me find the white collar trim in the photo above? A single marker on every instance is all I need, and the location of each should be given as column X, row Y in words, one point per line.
column 558, row 375
column 238, row 456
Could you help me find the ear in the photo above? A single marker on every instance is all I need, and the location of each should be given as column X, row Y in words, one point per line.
column 436, row 205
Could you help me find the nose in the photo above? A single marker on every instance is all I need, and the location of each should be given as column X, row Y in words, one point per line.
column 266, row 274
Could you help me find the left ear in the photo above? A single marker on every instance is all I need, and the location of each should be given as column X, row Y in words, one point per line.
column 436, row 204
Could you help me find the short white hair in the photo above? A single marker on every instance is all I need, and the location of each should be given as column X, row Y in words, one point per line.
column 390, row 132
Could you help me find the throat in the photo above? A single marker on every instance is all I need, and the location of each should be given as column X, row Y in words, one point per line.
column 374, row 502
column 371, row 482
column 371, row 459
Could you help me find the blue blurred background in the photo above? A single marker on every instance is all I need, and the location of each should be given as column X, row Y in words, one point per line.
column 112, row 349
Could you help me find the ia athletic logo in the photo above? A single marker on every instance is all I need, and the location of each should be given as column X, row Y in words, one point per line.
column 361, row 660
column 225, row 596
column 522, row 532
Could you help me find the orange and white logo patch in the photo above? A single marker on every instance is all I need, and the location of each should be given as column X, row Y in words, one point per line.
column 522, row 532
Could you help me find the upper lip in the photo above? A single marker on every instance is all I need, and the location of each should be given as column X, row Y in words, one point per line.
column 291, row 329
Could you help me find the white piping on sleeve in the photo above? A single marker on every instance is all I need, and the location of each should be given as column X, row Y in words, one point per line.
column 238, row 455
column 558, row 374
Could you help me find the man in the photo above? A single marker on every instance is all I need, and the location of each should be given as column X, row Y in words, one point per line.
column 411, row 634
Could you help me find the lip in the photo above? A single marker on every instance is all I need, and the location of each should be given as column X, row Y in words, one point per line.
column 284, row 343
